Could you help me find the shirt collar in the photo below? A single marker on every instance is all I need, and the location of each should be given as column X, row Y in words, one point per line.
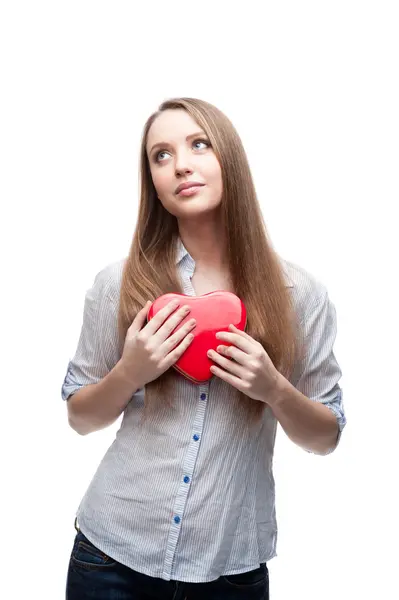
column 181, row 251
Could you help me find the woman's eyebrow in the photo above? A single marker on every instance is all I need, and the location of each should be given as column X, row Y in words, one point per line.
column 167, row 144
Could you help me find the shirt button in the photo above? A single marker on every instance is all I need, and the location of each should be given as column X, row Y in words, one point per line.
column 177, row 519
column 203, row 396
column 186, row 479
column 196, row 437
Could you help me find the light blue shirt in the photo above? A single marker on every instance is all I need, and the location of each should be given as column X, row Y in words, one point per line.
column 190, row 495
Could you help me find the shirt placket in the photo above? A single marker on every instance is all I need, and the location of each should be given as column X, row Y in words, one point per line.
column 177, row 516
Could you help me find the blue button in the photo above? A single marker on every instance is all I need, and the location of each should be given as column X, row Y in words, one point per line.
column 203, row 396
column 196, row 437
column 186, row 479
column 177, row 519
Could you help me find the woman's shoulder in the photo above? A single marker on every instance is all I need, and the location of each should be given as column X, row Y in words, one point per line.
column 109, row 279
column 307, row 289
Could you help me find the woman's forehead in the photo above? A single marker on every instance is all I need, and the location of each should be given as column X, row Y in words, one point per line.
column 170, row 126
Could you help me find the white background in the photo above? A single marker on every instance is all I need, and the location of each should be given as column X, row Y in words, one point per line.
column 312, row 88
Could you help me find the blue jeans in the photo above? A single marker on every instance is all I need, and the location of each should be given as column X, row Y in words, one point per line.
column 94, row 575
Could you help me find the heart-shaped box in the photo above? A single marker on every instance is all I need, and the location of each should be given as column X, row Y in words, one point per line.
column 213, row 312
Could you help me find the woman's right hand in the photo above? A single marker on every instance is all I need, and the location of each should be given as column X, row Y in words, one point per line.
column 150, row 349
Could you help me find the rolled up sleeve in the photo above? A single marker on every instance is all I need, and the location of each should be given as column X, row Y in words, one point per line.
column 320, row 371
column 97, row 351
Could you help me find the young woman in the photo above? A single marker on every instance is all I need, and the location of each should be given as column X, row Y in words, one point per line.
column 183, row 503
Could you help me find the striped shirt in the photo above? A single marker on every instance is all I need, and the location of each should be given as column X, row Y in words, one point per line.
column 189, row 495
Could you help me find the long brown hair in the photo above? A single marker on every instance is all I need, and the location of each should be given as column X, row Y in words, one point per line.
column 256, row 272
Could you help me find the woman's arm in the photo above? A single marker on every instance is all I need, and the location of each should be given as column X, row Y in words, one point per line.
column 96, row 406
column 307, row 423
column 311, row 412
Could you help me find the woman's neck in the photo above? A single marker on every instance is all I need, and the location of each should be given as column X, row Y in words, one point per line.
column 205, row 242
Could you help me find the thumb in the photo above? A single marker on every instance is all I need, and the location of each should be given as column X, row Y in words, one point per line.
column 140, row 318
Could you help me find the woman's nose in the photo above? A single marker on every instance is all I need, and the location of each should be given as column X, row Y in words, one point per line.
column 180, row 171
column 183, row 166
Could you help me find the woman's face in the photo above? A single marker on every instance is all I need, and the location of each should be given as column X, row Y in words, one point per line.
column 179, row 154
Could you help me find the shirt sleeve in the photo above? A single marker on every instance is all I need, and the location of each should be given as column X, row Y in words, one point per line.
column 320, row 373
column 97, row 351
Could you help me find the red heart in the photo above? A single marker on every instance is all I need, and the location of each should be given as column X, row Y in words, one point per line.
column 213, row 312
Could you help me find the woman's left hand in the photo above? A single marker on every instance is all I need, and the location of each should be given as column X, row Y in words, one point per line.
column 251, row 371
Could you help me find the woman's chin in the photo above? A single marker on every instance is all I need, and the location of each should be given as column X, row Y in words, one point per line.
column 195, row 210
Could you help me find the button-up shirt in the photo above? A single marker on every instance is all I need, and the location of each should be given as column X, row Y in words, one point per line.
column 189, row 494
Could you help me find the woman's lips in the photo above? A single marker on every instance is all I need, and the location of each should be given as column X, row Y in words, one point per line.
column 190, row 191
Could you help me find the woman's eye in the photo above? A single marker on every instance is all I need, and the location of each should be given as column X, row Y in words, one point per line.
column 197, row 143
column 159, row 157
